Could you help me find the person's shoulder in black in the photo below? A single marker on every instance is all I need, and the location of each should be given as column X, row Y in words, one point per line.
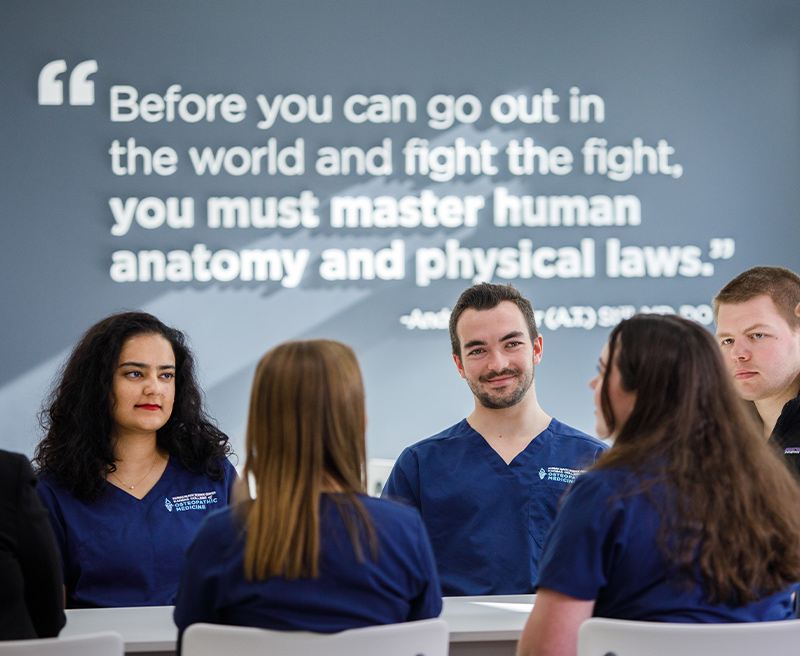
column 32, row 598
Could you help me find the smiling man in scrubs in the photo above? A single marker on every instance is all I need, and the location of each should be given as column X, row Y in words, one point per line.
column 488, row 487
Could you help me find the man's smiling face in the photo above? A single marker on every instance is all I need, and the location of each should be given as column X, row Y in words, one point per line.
column 497, row 354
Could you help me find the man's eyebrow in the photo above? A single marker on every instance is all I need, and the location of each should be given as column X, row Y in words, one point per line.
column 141, row 365
column 765, row 326
column 755, row 326
column 479, row 342
column 474, row 342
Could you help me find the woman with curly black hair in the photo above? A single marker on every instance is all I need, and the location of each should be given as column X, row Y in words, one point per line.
column 130, row 464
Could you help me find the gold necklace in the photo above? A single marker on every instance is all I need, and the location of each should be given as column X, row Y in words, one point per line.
column 114, row 474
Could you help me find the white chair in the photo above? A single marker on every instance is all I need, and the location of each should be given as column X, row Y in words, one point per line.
column 601, row 637
column 106, row 643
column 424, row 637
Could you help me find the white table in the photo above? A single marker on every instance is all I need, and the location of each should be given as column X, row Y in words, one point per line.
column 146, row 629
column 488, row 626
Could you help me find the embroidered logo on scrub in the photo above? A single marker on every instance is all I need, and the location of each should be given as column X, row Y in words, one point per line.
column 560, row 474
column 193, row 501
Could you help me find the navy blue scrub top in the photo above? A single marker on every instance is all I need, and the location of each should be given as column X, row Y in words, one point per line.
column 118, row 550
column 400, row 585
column 603, row 546
column 488, row 520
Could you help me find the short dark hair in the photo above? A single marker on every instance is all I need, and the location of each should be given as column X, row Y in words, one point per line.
column 78, row 418
column 485, row 296
column 781, row 285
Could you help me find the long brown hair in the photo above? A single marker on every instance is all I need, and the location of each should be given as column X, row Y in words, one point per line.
column 305, row 435
column 731, row 507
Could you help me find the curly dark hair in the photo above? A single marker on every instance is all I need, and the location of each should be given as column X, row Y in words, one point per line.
column 78, row 448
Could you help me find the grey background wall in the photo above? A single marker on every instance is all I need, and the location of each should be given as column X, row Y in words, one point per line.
column 712, row 88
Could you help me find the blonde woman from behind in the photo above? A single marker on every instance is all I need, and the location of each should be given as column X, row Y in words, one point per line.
column 311, row 552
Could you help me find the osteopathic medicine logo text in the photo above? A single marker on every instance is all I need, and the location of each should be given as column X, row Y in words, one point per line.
column 193, row 501
column 559, row 474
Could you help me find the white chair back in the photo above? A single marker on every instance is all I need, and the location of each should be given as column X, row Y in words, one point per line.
column 106, row 643
column 422, row 638
column 604, row 637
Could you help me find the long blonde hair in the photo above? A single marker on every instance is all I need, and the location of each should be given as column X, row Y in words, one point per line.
column 305, row 435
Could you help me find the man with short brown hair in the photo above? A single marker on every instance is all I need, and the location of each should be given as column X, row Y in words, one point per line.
column 758, row 328
column 488, row 487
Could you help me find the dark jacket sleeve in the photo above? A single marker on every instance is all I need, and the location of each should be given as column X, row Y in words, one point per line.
column 30, row 558
column 786, row 435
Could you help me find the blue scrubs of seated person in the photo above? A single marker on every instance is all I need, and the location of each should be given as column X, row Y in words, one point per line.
column 310, row 552
column 130, row 465
column 687, row 518
column 488, row 519
column 118, row 550
column 400, row 585
column 488, row 488
column 604, row 546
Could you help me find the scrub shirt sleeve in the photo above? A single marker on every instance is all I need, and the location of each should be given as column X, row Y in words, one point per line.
column 601, row 449
column 428, row 603
column 586, row 534
column 231, row 478
column 198, row 591
column 47, row 495
column 403, row 482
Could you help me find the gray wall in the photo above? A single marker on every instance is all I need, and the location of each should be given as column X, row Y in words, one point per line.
column 717, row 81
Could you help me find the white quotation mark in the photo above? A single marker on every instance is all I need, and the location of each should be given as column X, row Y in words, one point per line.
column 721, row 249
column 81, row 89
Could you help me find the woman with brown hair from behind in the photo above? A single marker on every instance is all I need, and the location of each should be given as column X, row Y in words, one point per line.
column 689, row 517
column 310, row 551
